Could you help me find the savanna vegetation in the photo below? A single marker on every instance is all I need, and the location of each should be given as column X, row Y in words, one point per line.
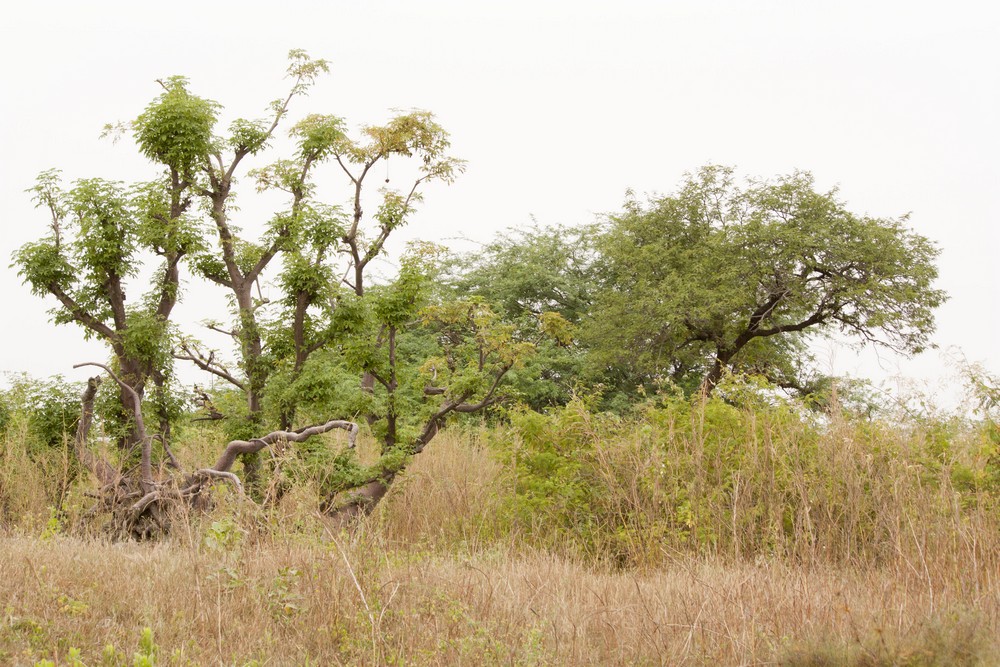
column 605, row 444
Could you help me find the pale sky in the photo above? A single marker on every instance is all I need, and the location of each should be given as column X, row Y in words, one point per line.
column 558, row 107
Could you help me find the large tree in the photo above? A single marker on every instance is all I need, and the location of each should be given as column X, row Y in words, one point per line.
column 416, row 360
column 318, row 241
column 238, row 263
column 724, row 276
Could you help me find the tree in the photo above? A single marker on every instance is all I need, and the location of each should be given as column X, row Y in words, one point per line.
column 431, row 360
column 533, row 274
column 721, row 276
column 413, row 134
column 240, row 263
column 535, row 270
column 311, row 235
column 416, row 361
column 99, row 234
column 416, row 393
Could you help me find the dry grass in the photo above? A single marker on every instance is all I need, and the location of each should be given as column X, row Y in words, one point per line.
column 443, row 576
column 361, row 601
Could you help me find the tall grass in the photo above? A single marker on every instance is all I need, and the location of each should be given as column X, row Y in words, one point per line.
column 714, row 480
column 695, row 533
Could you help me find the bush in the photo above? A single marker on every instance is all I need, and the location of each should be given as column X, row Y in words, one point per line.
column 704, row 476
column 50, row 407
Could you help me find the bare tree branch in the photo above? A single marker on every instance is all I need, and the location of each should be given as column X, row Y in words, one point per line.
column 237, row 447
column 207, row 364
column 146, row 462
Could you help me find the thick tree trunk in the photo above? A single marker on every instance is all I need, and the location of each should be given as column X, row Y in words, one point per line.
column 360, row 502
column 134, row 375
column 101, row 469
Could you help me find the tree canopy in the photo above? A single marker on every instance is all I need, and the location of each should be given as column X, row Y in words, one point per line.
column 404, row 357
column 727, row 276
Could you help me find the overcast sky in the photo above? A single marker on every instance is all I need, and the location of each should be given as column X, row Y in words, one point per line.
column 558, row 107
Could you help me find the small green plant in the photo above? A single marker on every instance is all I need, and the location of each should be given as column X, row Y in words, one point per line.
column 74, row 659
column 223, row 537
column 53, row 526
column 112, row 657
column 282, row 597
column 148, row 651
column 71, row 606
column 227, row 578
column 50, row 406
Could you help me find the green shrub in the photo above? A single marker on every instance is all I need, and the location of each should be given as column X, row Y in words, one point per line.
column 772, row 479
column 51, row 407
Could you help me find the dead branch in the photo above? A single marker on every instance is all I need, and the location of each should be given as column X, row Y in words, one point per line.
column 139, row 510
column 204, row 401
column 237, row 447
column 219, row 474
column 146, row 462
column 102, row 470
column 207, row 363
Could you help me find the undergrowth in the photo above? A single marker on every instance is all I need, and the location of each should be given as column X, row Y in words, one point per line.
column 692, row 532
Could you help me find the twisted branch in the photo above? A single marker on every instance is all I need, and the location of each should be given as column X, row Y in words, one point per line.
column 237, row 447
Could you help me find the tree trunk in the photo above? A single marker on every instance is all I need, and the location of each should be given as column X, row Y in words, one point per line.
column 712, row 377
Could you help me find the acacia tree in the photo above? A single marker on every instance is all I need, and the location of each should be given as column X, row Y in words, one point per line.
column 722, row 276
column 533, row 273
column 535, row 270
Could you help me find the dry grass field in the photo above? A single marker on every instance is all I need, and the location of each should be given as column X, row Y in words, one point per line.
column 446, row 573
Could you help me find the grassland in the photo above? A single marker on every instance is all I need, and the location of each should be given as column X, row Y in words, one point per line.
column 690, row 536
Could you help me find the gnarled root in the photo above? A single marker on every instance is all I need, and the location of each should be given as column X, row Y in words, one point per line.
column 141, row 506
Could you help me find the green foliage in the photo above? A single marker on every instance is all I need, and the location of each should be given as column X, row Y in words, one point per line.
column 319, row 135
column 91, row 242
column 539, row 278
column 411, row 134
column 322, row 387
column 51, row 407
column 148, row 652
column 176, row 128
column 223, row 537
column 6, row 413
column 99, row 234
column 720, row 275
column 158, row 227
column 534, row 271
column 764, row 479
column 547, row 458
column 284, row 599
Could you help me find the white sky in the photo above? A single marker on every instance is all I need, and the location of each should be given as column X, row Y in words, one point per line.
column 557, row 106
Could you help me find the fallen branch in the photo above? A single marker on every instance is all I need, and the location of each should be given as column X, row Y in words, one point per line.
column 219, row 474
column 140, row 510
